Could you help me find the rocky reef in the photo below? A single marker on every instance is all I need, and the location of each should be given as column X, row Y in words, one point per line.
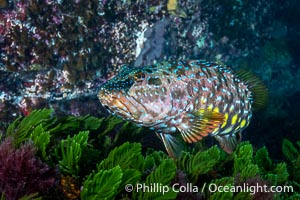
column 56, row 53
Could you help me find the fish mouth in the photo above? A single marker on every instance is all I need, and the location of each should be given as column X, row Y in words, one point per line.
column 117, row 103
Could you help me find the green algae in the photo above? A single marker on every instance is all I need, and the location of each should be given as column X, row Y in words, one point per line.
column 94, row 153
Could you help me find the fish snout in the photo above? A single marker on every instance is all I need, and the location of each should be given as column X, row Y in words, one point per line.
column 113, row 101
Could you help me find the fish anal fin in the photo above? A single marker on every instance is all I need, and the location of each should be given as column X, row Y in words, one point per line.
column 173, row 145
column 206, row 122
column 229, row 142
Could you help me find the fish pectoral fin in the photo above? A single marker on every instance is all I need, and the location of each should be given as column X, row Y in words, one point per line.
column 229, row 142
column 206, row 122
column 173, row 144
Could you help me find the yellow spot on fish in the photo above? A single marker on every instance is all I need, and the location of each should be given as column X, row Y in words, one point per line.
column 227, row 130
column 203, row 100
column 200, row 112
column 225, row 120
column 215, row 131
column 234, row 118
column 238, row 127
column 210, row 107
column 216, row 109
column 243, row 123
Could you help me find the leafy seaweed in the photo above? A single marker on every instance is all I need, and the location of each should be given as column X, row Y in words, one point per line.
column 221, row 195
column 282, row 173
column 41, row 139
column 200, row 163
column 94, row 154
column 124, row 156
column 292, row 154
column 20, row 129
column 69, row 152
column 163, row 174
column 102, row 185
column 289, row 150
column 161, row 178
column 243, row 163
column 109, row 123
column 263, row 160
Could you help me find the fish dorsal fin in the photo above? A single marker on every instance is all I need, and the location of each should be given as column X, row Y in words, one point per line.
column 258, row 89
column 205, row 123
column 173, row 145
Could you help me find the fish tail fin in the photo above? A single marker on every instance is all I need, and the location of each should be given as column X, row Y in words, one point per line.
column 229, row 142
column 173, row 145
column 256, row 86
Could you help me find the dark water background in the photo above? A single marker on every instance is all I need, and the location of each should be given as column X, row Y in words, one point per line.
column 281, row 119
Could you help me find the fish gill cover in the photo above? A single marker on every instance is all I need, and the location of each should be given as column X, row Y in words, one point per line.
column 57, row 53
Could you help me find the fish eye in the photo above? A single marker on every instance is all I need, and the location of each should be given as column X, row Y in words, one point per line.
column 139, row 76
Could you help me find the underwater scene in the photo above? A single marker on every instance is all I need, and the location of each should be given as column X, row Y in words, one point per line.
column 170, row 99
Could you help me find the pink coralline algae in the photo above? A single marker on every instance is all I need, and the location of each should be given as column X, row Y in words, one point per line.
column 21, row 173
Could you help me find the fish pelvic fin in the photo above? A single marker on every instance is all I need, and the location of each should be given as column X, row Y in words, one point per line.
column 229, row 142
column 206, row 122
column 173, row 144
column 259, row 91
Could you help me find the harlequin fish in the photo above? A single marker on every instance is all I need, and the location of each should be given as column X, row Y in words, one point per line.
column 193, row 99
